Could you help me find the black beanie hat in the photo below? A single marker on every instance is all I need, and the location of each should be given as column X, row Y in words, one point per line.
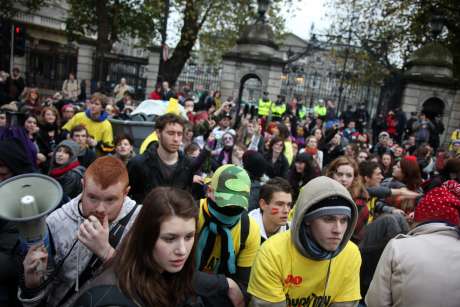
column 254, row 163
column 303, row 157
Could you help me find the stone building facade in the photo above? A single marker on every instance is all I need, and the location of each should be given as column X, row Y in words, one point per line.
column 430, row 87
column 50, row 56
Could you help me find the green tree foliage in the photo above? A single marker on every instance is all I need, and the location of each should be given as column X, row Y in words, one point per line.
column 389, row 31
column 216, row 25
column 111, row 21
column 9, row 8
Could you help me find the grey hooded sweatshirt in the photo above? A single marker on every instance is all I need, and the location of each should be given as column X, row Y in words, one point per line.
column 316, row 190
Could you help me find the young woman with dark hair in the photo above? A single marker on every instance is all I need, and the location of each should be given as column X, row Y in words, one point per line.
column 32, row 103
column 277, row 163
column 154, row 265
column 284, row 133
column 31, row 129
column 49, row 134
column 301, row 172
column 406, row 174
column 386, row 164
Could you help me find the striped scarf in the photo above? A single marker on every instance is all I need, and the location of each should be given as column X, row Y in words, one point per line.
column 217, row 223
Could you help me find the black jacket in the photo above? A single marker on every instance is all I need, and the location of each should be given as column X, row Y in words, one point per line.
column 145, row 172
column 376, row 237
column 9, row 270
column 278, row 169
column 87, row 157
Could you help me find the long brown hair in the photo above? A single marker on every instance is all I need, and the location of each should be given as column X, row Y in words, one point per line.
column 410, row 170
column 357, row 189
column 138, row 274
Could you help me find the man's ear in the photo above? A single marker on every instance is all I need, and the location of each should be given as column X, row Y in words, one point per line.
column 127, row 189
column 262, row 204
column 366, row 179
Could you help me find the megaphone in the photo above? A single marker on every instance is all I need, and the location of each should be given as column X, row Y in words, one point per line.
column 26, row 200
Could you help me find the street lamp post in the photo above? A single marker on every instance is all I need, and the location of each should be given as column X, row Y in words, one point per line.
column 262, row 8
column 345, row 62
column 436, row 22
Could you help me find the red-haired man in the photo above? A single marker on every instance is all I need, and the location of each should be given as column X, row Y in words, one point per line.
column 84, row 234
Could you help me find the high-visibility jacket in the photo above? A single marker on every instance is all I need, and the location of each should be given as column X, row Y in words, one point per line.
column 264, row 107
column 320, row 110
column 278, row 110
column 302, row 112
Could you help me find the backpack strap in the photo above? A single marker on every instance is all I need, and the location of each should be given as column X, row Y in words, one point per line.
column 244, row 229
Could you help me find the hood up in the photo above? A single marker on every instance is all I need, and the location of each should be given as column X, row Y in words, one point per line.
column 313, row 192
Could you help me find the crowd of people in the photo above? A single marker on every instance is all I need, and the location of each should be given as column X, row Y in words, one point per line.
column 271, row 204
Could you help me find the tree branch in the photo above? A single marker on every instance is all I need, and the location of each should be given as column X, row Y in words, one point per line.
column 205, row 15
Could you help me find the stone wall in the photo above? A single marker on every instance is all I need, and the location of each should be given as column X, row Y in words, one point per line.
column 414, row 95
column 233, row 71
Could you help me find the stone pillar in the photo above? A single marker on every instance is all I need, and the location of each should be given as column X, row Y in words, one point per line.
column 274, row 81
column 151, row 71
column 228, row 77
column 85, row 62
column 410, row 99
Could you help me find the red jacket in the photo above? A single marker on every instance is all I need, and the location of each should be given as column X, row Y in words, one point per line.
column 391, row 124
column 155, row 95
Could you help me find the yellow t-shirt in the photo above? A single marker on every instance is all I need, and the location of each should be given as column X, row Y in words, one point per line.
column 246, row 258
column 280, row 273
column 288, row 153
column 100, row 131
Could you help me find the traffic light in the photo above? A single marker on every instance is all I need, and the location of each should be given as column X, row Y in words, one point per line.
column 19, row 40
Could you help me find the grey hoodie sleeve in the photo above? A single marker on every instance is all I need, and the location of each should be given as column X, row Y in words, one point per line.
column 379, row 192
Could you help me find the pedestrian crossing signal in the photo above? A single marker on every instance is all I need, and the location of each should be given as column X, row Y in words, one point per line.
column 19, row 40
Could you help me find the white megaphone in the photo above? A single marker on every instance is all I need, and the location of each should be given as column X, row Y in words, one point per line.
column 26, row 200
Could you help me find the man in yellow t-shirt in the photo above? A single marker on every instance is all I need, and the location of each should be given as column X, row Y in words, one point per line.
column 228, row 239
column 94, row 119
column 314, row 263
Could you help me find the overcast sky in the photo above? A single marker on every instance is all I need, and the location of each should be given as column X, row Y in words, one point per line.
column 307, row 12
